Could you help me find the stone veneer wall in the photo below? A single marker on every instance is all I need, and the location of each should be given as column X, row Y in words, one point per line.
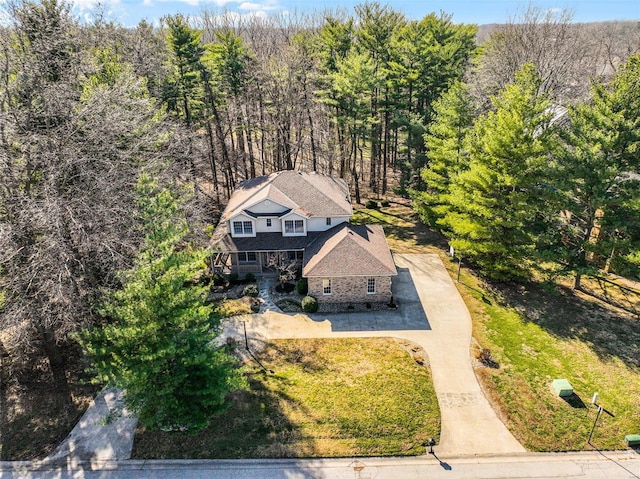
column 351, row 289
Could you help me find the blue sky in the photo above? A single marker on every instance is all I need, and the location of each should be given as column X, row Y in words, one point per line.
column 130, row 12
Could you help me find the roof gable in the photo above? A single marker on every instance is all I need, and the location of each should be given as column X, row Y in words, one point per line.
column 349, row 250
column 311, row 194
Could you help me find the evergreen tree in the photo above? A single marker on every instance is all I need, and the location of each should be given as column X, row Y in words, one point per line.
column 447, row 152
column 159, row 346
column 598, row 176
column 497, row 203
column 183, row 91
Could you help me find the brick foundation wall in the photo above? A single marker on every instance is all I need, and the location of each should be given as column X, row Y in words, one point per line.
column 351, row 289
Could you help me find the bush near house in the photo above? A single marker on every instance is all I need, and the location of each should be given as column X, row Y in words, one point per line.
column 250, row 290
column 309, row 304
column 302, row 286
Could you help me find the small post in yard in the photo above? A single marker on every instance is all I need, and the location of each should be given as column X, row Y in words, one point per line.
column 244, row 328
column 459, row 266
column 246, row 341
column 431, row 443
column 594, row 401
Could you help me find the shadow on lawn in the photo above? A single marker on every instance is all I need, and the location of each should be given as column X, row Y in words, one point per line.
column 612, row 333
column 254, row 426
column 420, row 233
column 574, row 401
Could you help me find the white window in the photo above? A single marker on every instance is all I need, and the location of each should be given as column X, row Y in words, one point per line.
column 328, row 221
column 242, row 228
column 326, row 286
column 247, row 257
column 293, row 226
column 269, row 222
column 371, row 286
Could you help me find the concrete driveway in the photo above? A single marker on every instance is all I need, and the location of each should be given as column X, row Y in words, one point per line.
column 432, row 314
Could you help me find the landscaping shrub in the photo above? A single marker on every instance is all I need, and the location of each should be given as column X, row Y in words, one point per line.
column 371, row 204
column 302, row 286
column 309, row 304
column 250, row 290
column 384, row 203
column 233, row 278
column 249, row 277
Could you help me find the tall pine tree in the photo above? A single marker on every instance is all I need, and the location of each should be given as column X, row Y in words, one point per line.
column 159, row 345
column 599, row 178
column 447, row 153
column 496, row 204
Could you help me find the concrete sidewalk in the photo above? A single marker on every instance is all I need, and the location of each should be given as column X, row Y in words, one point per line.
column 104, row 433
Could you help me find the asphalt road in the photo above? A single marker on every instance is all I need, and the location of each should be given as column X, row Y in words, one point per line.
column 590, row 465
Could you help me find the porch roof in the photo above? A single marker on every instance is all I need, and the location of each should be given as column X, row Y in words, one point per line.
column 261, row 242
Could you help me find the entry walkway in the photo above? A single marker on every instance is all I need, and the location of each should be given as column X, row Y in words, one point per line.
column 469, row 424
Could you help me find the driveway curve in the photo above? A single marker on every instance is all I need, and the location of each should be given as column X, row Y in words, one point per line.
column 432, row 314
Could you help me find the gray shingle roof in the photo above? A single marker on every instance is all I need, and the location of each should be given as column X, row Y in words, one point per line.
column 349, row 250
column 313, row 194
column 261, row 242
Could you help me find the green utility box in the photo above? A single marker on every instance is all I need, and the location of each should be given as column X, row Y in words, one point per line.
column 632, row 440
column 562, row 387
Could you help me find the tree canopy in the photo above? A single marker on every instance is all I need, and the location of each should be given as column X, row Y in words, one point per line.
column 160, row 342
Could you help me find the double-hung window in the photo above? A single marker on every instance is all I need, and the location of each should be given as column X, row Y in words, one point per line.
column 326, row 286
column 293, row 226
column 242, row 228
column 371, row 286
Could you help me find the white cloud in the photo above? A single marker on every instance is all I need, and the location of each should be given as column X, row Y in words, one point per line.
column 259, row 7
column 90, row 4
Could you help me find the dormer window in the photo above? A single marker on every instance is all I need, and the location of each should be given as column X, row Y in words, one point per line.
column 242, row 228
column 294, row 227
column 328, row 221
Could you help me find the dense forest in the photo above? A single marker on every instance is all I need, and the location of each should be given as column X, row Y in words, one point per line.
column 519, row 142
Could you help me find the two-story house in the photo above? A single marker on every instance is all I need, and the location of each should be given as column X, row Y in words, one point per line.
column 290, row 216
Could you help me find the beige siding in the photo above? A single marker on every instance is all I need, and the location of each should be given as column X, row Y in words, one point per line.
column 351, row 289
column 320, row 223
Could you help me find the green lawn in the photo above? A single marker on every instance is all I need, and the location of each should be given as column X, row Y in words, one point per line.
column 326, row 398
column 402, row 227
column 537, row 335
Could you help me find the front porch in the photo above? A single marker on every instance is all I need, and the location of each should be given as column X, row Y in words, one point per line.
column 258, row 263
